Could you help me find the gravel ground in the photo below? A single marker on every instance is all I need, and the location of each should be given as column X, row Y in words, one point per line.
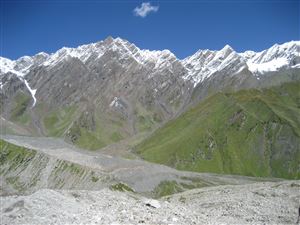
column 260, row 203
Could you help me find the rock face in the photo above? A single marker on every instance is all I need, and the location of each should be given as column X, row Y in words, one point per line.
column 120, row 66
column 263, row 203
column 125, row 90
column 107, row 69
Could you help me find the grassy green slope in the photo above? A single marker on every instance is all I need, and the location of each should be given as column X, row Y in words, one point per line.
column 23, row 170
column 87, row 129
column 92, row 128
column 250, row 132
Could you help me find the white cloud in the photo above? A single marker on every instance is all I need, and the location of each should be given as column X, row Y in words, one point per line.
column 145, row 9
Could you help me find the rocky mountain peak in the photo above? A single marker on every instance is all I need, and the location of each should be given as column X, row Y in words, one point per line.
column 286, row 50
column 205, row 63
column 99, row 57
column 286, row 55
column 224, row 52
column 108, row 40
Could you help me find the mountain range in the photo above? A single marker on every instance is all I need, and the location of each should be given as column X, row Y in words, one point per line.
column 215, row 111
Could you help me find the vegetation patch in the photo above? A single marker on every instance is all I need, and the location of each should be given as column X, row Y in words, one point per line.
column 15, row 183
column 116, row 136
column 68, row 167
column 18, row 112
column 249, row 132
column 120, row 187
column 167, row 188
column 14, row 155
column 57, row 122
column 95, row 179
column 145, row 123
column 96, row 132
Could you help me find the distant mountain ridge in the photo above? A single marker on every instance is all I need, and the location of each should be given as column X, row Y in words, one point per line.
column 198, row 67
column 104, row 92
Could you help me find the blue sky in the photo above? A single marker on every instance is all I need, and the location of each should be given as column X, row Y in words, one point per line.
column 29, row 27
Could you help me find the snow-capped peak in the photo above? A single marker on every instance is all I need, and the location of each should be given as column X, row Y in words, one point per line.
column 286, row 50
column 142, row 56
column 124, row 48
column 6, row 65
column 224, row 52
column 20, row 68
column 23, row 62
column 274, row 58
column 248, row 54
column 205, row 63
column 200, row 66
column 94, row 51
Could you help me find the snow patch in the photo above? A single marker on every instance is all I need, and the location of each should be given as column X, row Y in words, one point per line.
column 32, row 92
column 296, row 66
column 270, row 66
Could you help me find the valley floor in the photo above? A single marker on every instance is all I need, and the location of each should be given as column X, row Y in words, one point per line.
column 141, row 176
column 80, row 199
column 258, row 203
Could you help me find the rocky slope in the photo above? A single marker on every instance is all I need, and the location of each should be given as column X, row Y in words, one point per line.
column 110, row 85
column 262, row 203
column 113, row 86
